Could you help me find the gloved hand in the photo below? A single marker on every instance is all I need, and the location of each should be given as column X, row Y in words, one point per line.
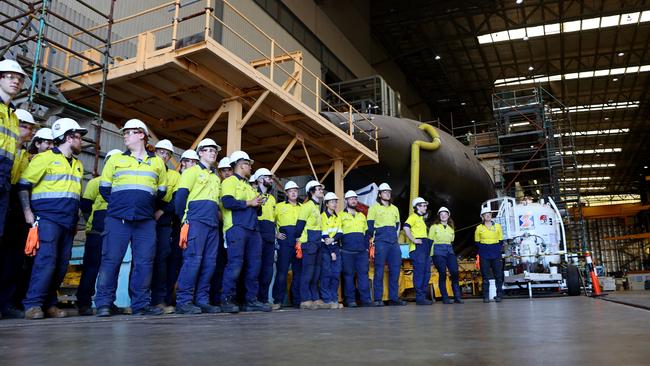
column 298, row 248
column 371, row 249
column 32, row 244
column 185, row 229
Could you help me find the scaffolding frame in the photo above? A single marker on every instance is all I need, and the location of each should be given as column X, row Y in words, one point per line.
column 54, row 49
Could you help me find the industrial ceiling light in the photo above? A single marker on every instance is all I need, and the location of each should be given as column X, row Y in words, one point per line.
column 597, row 107
column 591, row 166
column 621, row 54
column 462, row 103
column 519, row 2
column 530, row 68
column 520, row 80
column 437, row 57
column 579, row 25
column 615, row 79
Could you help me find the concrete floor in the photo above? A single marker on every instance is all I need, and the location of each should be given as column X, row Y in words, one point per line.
column 550, row 331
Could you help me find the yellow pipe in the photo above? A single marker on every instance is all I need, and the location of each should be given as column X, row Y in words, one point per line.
column 415, row 158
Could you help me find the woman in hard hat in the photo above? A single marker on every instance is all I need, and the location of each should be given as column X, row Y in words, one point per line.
column 384, row 227
column 286, row 217
column 12, row 254
column 93, row 207
column 134, row 185
column 354, row 252
column 488, row 237
column 331, row 252
column 41, row 142
column 419, row 249
column 197, row 202
column 442, row 235
column 309, row 228
column 164, row 217
column 225, row 170
column 266, row 223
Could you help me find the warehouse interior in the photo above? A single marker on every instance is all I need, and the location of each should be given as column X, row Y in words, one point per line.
column 535, row 110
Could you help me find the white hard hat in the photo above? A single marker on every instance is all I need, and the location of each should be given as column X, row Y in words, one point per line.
column 44, row 133
column 350, row 194
column 111, row 153
column 384, row 187
column 311, row 184
column 24, row 116
column 252, row 179
column 330, row 196
column 135, row 124
column 208, row 143
column 190, row 155
column 417, row 201
column 239, row 155
column 165, row 145
column 485, row 210
column 63, row 125
column 261, row 172
column 11, row 66
column 443, row 209
column 224, row 163
column 290, row 185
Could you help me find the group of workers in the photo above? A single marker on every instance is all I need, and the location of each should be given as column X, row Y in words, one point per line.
column 207, row 239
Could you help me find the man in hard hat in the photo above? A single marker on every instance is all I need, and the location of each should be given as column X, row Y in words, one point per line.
column 189, row 158
column 12, row 78
column 164, row 217
column 415, row 229
column 54, row 179
column 266, row 223
column 354, row 252
column 241, row 203
column 286, row 217
column 134, row 185
column 330, row 252
column 225, row 170
column 197, row 202
column 384, row 227
column 41, row 142
column 93, row 207
column 309, row 231
column 12, row 254
column 488, row 237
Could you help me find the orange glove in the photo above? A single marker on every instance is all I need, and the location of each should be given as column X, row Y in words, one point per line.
column 478, row 262
column 298, row 248
column 185, row 229
column 371, row 249
column 32, row 244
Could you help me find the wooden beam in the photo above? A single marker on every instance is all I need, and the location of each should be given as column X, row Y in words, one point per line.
column 187, row 107
column 253, row 108
column 339, row 188
column 284, row 155
column 293, row 117
column 233, row 142
column 287, row 57
column 354, row 164
column 309, row 159
column 208, row 126
column 327, row 173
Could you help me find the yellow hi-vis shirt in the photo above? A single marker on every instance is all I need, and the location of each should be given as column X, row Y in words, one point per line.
column 239, row 191
column 201, row 188
column 331, row 224
column 99, row 203
column 286, row 214
column 172, row 178
column 20, row 164
column 383, row 222
column 8, row 142
column 418, row 228
column 441, row 234
column 310, row 213
column 493, row 235
column 353, row 223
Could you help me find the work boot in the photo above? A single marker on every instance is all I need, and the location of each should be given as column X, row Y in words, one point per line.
column 352, row 304
column 209, row 309
column 85, row 310
column 334, row 305
column 12, row 313
column 104, row 311
column 307, row 305
column 379, row 304
column 459, row 301
column 276, row 306
column 320, row 304
column 424, row 302
column 256, row 305
column 397, row 302
column 498, row 299
column 188, row 308
column 34, row 313
column 115, row 310
column 447, row 301
column 148, row 310
column 54, row 312
column 228, row 306
column 167, row 309
column 486, row 300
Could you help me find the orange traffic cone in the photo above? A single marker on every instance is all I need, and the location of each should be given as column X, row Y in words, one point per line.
column 594, row 277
